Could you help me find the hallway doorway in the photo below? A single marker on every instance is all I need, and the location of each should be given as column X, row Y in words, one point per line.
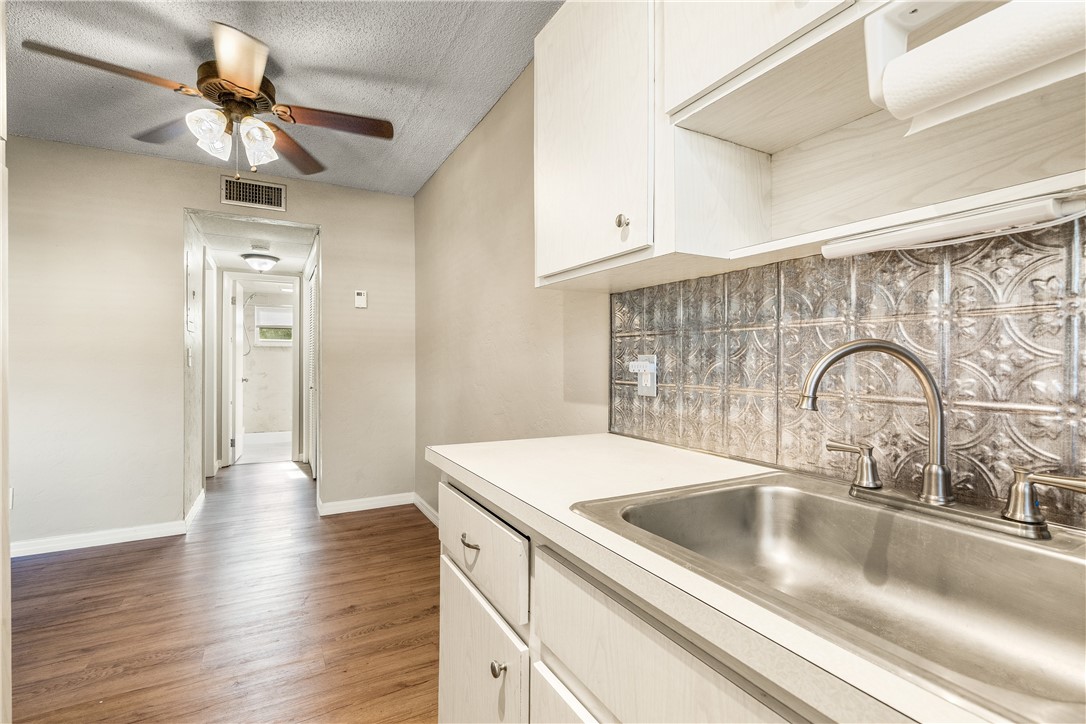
column 251, row 336
column 269, row 369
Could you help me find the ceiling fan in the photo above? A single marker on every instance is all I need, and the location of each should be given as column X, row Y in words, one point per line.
column 234, row 81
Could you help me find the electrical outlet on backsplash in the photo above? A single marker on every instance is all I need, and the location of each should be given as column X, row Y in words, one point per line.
column 1000, row 323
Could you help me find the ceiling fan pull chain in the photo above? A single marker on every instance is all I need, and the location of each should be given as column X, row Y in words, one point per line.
column 237, row 161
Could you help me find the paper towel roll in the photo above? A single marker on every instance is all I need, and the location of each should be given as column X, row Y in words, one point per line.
column 1005, row 43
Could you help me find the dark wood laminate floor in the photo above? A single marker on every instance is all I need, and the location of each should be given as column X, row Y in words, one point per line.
column 263, row 612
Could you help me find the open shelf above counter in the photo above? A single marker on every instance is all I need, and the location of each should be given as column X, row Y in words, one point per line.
column 840, row 165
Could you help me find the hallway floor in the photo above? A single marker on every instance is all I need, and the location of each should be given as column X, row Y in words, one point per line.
column 262, row 612
column 265, row 447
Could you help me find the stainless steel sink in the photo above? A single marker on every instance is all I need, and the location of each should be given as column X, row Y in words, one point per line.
column 982, row 617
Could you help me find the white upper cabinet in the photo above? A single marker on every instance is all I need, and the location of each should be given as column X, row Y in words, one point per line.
column 621, row 194
column 593, row 79
column 706, row 43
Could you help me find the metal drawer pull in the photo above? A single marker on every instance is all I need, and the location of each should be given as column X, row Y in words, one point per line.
column 472, row 546
column 496, row 669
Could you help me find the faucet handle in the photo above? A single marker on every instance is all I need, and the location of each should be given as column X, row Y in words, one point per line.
column 867, row 473
column 1022, row 503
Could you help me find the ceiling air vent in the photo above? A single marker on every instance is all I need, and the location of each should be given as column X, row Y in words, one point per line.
column 261, row 194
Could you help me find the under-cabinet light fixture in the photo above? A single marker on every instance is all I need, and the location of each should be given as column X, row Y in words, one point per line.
column 967, row 226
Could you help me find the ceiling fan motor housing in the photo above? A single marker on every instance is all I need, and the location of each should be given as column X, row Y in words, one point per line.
column 234, row 99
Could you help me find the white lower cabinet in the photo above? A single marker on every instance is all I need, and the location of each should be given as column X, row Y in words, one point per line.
column 594, row 657
column 551, row 702
column 483, row 670
column 631, row 668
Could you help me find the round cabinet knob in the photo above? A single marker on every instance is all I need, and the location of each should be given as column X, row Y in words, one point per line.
column 496, row 669
column 622, row 220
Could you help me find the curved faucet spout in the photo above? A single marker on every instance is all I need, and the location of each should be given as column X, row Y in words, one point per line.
column 937, row 488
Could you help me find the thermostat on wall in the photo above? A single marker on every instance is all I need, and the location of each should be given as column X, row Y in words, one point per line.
column 361, row 300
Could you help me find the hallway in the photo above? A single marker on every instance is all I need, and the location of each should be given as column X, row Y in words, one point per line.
column 262, row 612
column 265, row 447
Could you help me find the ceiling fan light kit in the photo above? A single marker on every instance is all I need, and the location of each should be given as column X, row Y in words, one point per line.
column 235, row 82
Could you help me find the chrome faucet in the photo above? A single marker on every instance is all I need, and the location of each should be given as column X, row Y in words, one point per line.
column 1022, row 503
column 936, row 489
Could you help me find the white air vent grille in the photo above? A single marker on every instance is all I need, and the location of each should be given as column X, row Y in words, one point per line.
column 246, row 192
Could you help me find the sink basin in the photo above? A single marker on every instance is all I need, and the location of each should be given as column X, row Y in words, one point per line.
column 983, row 617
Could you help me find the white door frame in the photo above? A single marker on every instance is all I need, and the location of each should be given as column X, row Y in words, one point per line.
column 211, row 295
column 227, row 348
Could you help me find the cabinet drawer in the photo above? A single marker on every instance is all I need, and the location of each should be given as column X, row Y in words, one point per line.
column 490, row 553
column 475, row 642
column 630, row 666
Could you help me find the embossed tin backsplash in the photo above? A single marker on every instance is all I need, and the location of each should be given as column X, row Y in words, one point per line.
column 999, row 322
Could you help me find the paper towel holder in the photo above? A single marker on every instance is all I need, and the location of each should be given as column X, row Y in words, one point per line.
column 886, row 36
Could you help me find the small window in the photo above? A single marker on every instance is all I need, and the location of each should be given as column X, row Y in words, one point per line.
column 274, row 326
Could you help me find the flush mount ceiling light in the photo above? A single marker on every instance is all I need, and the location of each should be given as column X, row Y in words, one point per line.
column 260, row 262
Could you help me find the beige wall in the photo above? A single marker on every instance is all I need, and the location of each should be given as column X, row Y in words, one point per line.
column 96, row 341
column 497, row 358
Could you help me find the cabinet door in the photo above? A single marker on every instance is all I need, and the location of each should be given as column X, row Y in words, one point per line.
column 551, row 702
column 631, row 666
column 706, row 43
column 475, row 644
column 592, row 133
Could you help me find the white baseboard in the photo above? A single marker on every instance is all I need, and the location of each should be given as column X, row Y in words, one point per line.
column 350, row 506
column 194, row 510
column 425, row 509
column 97, row 538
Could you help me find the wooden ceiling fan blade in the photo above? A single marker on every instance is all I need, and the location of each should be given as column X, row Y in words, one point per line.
column 292, row 151
column 361, row 125
column 165, row 133
column 111, row 68
column 240, row 58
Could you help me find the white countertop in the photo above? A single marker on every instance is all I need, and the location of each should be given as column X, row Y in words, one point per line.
column 537, row 480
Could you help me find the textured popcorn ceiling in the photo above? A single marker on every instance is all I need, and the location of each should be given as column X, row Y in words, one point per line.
column 432, row 68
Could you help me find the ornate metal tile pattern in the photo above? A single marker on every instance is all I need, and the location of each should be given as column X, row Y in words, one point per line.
column 1000, row 322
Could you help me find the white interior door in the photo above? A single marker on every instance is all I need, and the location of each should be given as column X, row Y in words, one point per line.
column 239, row 372
column 311, row 331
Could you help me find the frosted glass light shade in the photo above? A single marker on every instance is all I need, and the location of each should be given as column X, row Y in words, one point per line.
column 207, row 124
column 220, row 148
column 258, row 140
column 260, row 262
column 209, row 127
